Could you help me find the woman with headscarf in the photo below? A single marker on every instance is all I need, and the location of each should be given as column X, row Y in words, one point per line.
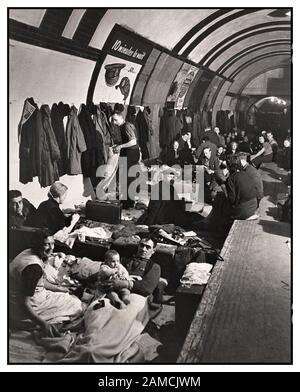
column 49, row 215
column 128, row 148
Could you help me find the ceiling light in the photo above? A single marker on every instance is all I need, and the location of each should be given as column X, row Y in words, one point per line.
column 288, row 13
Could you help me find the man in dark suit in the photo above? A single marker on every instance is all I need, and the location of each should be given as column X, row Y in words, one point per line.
column 213, row 136
column 184, row 149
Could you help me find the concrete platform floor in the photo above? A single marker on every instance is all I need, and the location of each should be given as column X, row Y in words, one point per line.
column 245, row 313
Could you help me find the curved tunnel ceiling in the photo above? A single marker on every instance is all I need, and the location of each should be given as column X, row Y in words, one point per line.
column 251, row 55
column 258, row 58
column 251, row 49
column 223, row 25
column 260, row 66
column 228, row 43
column 234, row 42
column 249, row 80
column 254, row 37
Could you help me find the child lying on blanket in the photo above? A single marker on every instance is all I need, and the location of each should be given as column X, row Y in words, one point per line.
column 56, row 271
column 112, row 269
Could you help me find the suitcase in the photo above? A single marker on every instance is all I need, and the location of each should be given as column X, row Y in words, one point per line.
column 104, row 211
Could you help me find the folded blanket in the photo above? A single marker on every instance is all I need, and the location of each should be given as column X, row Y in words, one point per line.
column 196, row 273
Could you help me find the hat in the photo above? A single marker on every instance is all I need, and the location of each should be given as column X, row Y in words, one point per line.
column 124, row 87
column 112, row 73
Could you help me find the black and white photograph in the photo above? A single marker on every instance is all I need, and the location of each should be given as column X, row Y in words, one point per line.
column 150, row 186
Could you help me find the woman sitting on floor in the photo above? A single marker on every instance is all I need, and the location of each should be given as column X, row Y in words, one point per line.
column 32, row 299
column 49, row 215
column 265, row 154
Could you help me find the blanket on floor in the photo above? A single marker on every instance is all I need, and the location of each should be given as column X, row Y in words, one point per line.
column 110, row 334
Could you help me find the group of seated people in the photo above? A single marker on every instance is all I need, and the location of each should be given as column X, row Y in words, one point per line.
column 40, row 298
column 232, row 182
column 263, row 149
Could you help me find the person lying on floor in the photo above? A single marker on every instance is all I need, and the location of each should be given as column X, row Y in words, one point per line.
column 31, row 299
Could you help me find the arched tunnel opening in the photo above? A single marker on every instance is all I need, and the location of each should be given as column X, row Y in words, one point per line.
column 106, row 107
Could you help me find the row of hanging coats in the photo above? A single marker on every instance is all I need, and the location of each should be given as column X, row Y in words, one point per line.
column 49, row 150
column 173, row 121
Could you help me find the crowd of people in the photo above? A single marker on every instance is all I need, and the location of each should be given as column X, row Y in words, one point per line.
column 232, row 185
column 231, row 162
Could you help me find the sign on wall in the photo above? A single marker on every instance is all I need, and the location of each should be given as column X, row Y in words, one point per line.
column 116, row 80
column 127, row 45
column 127, row 54
column 181, row 84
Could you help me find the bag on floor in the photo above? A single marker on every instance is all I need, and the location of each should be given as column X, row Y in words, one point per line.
column 204, row 252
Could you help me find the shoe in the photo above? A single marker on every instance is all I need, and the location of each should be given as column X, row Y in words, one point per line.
column 99, row 305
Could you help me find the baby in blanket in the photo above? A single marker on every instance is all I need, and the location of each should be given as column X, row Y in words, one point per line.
column 110, row 270
column 57, row 269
